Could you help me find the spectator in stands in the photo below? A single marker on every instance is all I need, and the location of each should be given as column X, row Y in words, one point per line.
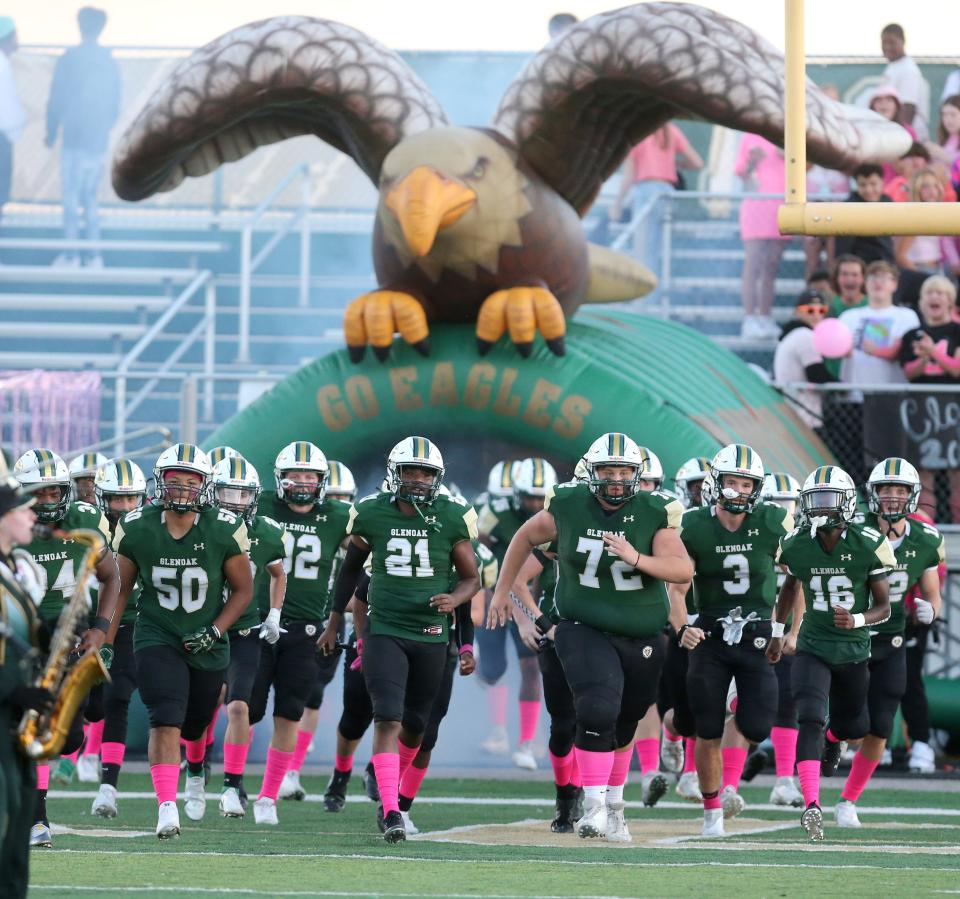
column 951, row 86
column 897, row 187
column 904, row 74
column 796, row 359
column 869, row 180
column 651, row 170
column 12, row 116
column 84, row 101
column 930, row 354
column 759, row 165
column 847, row 277
column 885, row 101
column 820, row 280
column 946, row 150
column 921, row 256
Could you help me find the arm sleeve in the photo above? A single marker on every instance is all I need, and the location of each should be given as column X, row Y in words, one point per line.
column 347, row 579
column 463, row 625
column 362, row 590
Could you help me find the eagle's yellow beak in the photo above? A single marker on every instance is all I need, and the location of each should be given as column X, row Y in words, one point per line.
column 425, row 202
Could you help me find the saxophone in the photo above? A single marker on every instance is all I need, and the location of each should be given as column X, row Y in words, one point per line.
column 41, row 735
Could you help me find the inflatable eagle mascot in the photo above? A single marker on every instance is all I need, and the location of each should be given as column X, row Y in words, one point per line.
column 481, row 224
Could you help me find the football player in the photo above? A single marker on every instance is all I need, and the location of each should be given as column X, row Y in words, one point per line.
column 47, row 476
column 893, row 491
column 341, row 486
column 732, row 541
column 236, row 487
column 191, row 562
column 843, row 568
column 417, row 538
column 120, row 487
column 315, row 527
column 616, row 546
column 83, row 470
column 498, row 522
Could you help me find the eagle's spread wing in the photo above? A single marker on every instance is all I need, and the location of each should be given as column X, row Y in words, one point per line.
column 265, row 82
column 580, row 104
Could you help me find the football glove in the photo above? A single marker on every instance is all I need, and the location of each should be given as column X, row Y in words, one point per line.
column 270, row 630
column 924, row 611
column 202, row 640
column 106, row 655
column 357, row 663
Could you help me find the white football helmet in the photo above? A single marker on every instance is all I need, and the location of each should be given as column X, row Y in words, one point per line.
column 301, row 455
column 734, row 459
column 182, row 457
column 236, row 487
column 219, row 453
column 828, row 497
column 693, row 471
column 414, row 452
column 610, row 449
column 893, row 471
column 39, row 468
column 652, row 468
column 534, row 477
column 119, row 477
column 500, row 480
column 580, row 472
column 783, row 489
column 340, row 482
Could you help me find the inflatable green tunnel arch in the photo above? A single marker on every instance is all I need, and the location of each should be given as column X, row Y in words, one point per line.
column 667, row 386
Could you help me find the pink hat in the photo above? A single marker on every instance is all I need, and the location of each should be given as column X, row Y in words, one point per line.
column 884, row 90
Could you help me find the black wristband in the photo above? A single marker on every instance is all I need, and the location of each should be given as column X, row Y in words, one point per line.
column 101, row 624
column 543, row 624
column 683, row 627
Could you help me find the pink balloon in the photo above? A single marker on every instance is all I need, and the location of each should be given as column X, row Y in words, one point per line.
column 832, row 338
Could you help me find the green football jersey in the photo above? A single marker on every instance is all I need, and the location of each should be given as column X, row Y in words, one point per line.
column 59, row 560
column 840, row 578
column 182, row 579
column 411, row 562
column 311, row 542
column 498, row 521
column 547, row 583
column 487, row 565
column 266, row 546
column 594, row 586
column 735, row 568
column 920, row 548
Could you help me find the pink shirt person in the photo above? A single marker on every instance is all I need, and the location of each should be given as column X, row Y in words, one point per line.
column 758, row 218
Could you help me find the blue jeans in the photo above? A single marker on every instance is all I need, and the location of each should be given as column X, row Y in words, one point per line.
column 80, row 173
column 649, row 236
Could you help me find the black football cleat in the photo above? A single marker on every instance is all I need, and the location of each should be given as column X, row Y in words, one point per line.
column 756, row 762
column 393, row 829
column 830, row 760
column 335, row 796
column 370, row 783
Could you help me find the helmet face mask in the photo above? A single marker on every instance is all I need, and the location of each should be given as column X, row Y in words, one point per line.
column 613, row 464
column 416, row 484
column 42, row 470
column 236, row 487
column 340, row 482
column 895, row 504
column 614, row 483
column 300, row 473
column 83, row 471
column 829, row 497
column 533, row 479
column 689, row 481
column 182, row 476
column 739, row 461
column 119, row 479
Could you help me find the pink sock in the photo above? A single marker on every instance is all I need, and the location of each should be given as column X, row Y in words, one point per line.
column 406, row 755
column 689, row 754
column 809, row 774
column 410, row 783
column 165, row 779
column 830, row 736
column 197, row 749
column 784, row 741
column 562, row 768
column 529, row 715
column 861, row 771
column 43, row 776
column 497, row 704
column 386, row 766
column 278, row 762
column 112, row 753
column 733, row 762
column 575, row 778
column 72, row 756
column 595, row 767
column 212, row 726
column 648, row 752
column 710, row 802
column 343, row 763
column 671, row 737
column 621, row 765
column 234, row 757
column 300, row 753
column 94, row 738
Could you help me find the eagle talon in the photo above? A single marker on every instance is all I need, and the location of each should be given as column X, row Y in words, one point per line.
column 557, row 346
column 521, row 311
column 382, row 353
column 356, row 353
column 375, row 317
column 484, row 346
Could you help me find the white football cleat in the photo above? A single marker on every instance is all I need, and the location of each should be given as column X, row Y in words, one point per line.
column 523, row 756
column 88, row 769
column 785, row 793
column 688, row 787
column 265, row 811
column 671, row 755
column 812, row 822
column 497, row 743
column 230, row 804
column 168, row 820
column 593, row 824
column 654, row 786
column 195, row 800
column 922, row 758
column 105, row 802
column 845, row 814
column 408, row 824
column 617, row 830
column 712, row 823
column 40, row 837
column 290, row 787
column 731, row 802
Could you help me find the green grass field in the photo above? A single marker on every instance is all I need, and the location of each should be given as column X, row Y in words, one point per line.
column 491, row 838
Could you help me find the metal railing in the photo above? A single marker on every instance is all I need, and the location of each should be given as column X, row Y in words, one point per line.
column 249, row 262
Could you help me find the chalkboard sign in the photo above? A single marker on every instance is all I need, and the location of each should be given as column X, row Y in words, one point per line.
column 923, row 428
